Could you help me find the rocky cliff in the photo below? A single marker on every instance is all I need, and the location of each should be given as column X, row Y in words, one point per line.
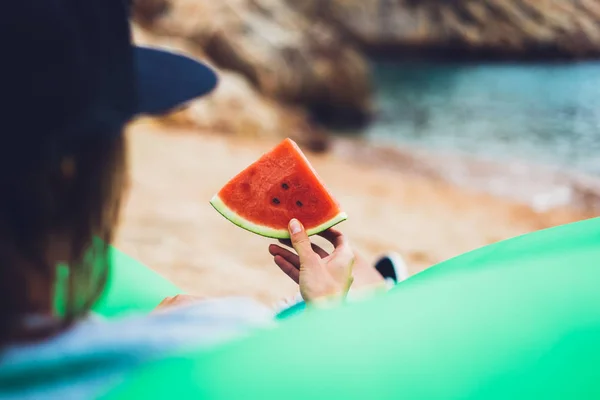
column 285, row 63
column 235, row 107
column 283, row 53
column 520, row 29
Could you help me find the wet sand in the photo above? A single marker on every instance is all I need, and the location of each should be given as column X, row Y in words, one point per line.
column 169, row 225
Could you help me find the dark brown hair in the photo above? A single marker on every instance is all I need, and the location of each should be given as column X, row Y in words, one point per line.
column 55, row 200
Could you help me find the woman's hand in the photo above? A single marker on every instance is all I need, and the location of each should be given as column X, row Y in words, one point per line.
column 318, row 273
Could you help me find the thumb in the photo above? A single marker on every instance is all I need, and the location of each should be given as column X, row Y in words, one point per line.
column 300, row 241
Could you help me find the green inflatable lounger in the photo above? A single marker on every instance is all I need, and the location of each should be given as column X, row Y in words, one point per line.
column 519, row 319
column 132, row 287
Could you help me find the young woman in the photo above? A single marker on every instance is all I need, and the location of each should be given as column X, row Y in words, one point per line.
column 71, row 80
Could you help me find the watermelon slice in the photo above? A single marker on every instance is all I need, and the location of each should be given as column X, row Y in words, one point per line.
column 279, row 186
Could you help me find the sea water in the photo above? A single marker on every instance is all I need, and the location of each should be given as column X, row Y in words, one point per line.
column 540, row 113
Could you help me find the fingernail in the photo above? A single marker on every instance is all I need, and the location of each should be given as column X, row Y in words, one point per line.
column 295, row 226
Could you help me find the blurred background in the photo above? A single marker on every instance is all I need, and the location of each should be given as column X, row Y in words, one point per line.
column 440, row 126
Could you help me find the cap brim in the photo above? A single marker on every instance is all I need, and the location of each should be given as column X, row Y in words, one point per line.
column 167, row 80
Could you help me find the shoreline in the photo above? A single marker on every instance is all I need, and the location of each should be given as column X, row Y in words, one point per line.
column 540, row 186
column 169, row 225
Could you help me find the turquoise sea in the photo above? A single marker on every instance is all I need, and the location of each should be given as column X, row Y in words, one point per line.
column 546, row 114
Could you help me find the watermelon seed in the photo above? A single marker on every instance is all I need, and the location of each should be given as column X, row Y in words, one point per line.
column 276, row 200
column 285, row 186
column 299, row 203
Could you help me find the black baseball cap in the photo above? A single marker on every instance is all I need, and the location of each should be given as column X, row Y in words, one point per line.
column 68, row 67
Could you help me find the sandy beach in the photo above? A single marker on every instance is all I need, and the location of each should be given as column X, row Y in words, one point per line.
column 169, row 225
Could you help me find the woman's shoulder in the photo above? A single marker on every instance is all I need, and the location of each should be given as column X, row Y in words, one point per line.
column 93, row 353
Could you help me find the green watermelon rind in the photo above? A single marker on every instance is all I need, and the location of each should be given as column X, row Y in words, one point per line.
column 266, row 231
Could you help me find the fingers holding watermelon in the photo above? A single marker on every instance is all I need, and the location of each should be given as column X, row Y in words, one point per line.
column 320, row 252
column 301, row 243
column 316, row 248
column 335, row 237
column 289, row 262
column 365, row 276
column 286, row 259
column 288, row 268
column 318, row 273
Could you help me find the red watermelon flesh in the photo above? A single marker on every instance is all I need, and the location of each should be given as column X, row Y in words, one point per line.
column 279, row 186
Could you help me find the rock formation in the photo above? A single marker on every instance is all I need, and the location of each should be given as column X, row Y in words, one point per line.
column 235, row 107
column 284, row 63
column 518, row 29
column 284, row 54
